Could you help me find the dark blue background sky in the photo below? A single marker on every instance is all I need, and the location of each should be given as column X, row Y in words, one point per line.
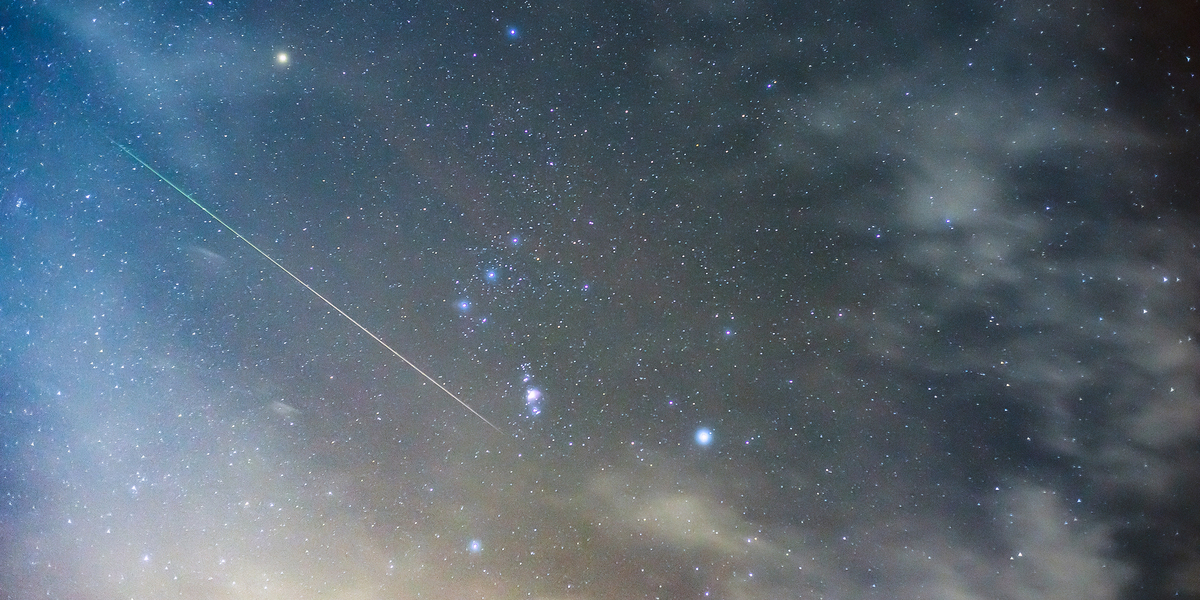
column 927, row 273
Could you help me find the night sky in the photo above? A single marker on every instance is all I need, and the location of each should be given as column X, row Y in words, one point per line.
column 831, row 300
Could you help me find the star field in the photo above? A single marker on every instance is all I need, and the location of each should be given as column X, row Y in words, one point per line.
column 831, row 300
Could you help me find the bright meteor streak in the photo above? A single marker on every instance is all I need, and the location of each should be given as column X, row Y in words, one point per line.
column 306, row 286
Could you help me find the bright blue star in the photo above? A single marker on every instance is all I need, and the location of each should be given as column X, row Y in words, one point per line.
column 464, row 305
column 475, row 547
column 704, row 436
column 512, row 33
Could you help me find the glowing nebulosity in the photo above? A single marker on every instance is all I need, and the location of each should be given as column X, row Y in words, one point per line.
column 532, row 396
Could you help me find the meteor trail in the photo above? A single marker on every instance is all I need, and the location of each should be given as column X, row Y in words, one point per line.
column 301, row 282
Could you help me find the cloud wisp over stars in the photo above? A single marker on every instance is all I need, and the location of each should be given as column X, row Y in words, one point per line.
column 824, row 301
